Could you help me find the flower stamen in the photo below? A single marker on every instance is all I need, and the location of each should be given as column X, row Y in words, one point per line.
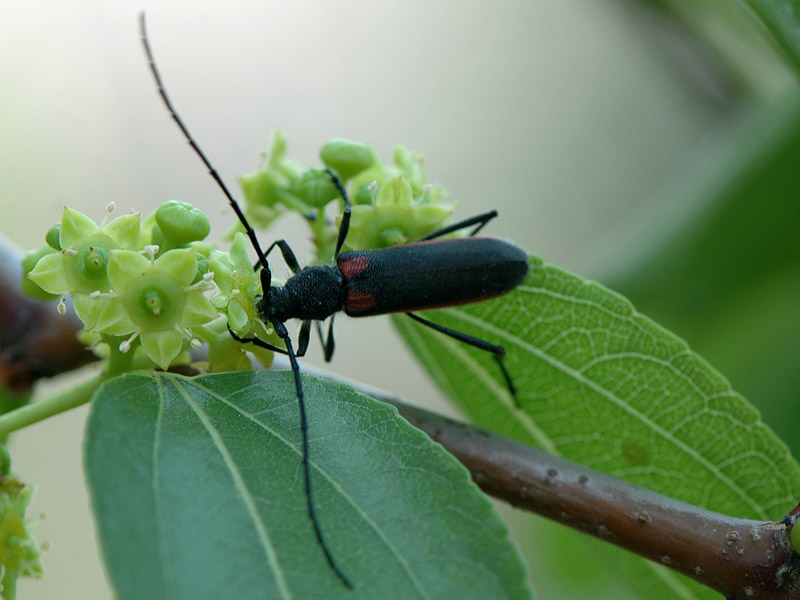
column 125, row 346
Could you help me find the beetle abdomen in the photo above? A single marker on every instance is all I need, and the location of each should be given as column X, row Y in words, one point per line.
column 430, row 274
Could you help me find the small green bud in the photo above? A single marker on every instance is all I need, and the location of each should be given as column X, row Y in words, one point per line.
column 364, row 195
column 315, row 188
column 346, row 158
column 181, row 223
column 263, row 188
column 52, row 236
column 203, row 265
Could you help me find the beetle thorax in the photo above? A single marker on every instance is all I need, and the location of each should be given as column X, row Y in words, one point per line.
column 314, row 294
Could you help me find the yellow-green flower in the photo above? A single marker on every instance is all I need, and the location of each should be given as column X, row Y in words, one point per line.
column 239, row 288
column 152, row 300
column 225, row 353
column 80, row 268
column 20, row 555
column 394, row 217
column 267, row 190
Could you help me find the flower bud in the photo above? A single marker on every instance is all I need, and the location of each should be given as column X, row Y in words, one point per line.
column 52, row 236
column 315, row 188
column 181, row 223
column 346, row 158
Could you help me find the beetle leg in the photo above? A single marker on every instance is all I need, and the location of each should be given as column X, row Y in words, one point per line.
column 328, row 345
column 480, row 220
column 344, row 226
column 498, row 351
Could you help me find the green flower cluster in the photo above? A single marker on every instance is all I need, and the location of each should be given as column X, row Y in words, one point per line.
column 239, row 288
column 20, row 554
column 143, row 288
column 392, row 204
column 124, row 286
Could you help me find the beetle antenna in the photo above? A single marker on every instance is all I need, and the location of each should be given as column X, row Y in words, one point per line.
column 262, row 259
column 265, row 279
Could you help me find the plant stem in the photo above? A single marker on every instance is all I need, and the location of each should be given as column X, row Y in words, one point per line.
column 53, row 405
column 740, row 558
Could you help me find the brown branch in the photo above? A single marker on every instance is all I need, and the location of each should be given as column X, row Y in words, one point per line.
column 35, row 341
column 739, row 558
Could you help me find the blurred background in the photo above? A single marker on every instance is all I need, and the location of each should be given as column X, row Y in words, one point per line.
column 645, row 145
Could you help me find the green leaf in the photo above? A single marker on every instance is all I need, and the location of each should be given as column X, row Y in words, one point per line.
column 607, row 387
column 781, row 18
column 718, row 261
column 197, row 490
column 748, row 46
column 714, row 256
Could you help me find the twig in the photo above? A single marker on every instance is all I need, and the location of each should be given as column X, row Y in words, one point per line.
column 739, row 558
column 35, row 341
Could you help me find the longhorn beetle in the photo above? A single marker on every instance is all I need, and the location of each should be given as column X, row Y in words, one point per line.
column 429, row 273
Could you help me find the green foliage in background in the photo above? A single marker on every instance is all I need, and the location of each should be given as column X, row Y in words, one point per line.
column 714, row 256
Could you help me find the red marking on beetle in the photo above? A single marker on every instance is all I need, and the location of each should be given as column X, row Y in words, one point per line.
column 358, row 301
column 353, row 266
